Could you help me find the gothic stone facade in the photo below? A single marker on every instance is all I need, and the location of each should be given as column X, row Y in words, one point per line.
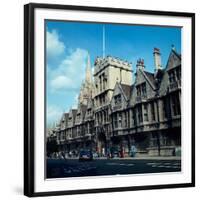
column 115, row 113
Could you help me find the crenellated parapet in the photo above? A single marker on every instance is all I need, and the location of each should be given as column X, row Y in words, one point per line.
column 101, row 63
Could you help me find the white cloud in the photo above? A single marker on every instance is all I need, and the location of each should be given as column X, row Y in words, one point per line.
column 70, row 73
column 75, row 101
column 60, row 82
column 54, row 113
column 55, row 47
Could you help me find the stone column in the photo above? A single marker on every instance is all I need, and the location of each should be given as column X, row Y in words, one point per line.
column 149, row 112
column 160, row 110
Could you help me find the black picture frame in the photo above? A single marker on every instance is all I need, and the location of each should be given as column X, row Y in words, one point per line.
column 29, row 86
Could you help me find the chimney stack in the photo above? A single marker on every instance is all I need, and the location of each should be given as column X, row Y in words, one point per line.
column 140, row 64
column 157, row 59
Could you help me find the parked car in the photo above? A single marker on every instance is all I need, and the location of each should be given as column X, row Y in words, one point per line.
column 85, row 155
column 114, row 152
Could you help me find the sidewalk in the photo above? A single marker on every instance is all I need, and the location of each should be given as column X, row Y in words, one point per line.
column 133, row 158
column 142, row 158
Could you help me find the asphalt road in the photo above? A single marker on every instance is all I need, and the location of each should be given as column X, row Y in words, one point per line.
column 74, row 168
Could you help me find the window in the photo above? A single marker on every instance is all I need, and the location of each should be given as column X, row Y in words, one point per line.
column 103, row 99
column 165, row 107
column 140, row 118
column 141, row 90
column 172, row 77
column 115, row 121
column 165, row 140
column 103, row 80
column 178, row 73
column 138, row 91
column 144, row 92
column 100, row 100
column 100, row 83
column 89, row 111
column 125, row 119
column 153, row 111
column 117, row 99
column 120, row 119
column 133, row 117
column 176, row 104
column 78, row 116
column 146, row 112
column 63, row 135
column 154, row 140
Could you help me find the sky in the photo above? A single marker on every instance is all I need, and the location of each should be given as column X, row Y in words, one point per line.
column 68, row 44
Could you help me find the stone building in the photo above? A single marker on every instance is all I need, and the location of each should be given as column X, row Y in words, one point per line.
column 107, row 72
column 115, row 114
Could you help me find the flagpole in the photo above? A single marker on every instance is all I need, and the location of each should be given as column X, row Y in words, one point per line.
column 103, row 40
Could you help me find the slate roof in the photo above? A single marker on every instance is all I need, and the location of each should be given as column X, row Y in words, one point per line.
column 126, row 89
column 150, row 77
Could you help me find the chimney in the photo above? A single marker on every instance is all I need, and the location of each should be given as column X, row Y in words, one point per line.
column 157, row 59
column 140, row 64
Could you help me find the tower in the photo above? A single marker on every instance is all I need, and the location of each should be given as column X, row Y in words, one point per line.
column 107, row 72
column 88, row 74
column 87, row 85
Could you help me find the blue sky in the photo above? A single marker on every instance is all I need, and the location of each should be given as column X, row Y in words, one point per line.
column 67, row 45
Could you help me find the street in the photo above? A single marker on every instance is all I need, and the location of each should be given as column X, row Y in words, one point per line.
column 58, row 168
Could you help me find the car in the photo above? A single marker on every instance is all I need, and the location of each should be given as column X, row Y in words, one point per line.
column 85, row 155
column 114, row 152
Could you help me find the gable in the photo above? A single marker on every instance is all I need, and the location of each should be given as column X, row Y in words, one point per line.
column 80, row 114
column 133, row 96
column 147, row 78
column 174, row 60
column 143, row 76
column 164, row 84
column 118, row 91
column 89, row 110
column 71, row 117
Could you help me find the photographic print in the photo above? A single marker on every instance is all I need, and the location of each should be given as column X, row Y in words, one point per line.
column 113, row 99
column 108, row 99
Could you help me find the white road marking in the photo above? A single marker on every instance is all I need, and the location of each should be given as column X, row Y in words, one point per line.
column 165, row 165
column 121, row 164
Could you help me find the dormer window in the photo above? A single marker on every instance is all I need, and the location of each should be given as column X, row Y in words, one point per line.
column 138, row 91
column 141, row 90
column 144, row 91
column 172, row 78
column 118, row 99
column 89, row 111
column 78, row 116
